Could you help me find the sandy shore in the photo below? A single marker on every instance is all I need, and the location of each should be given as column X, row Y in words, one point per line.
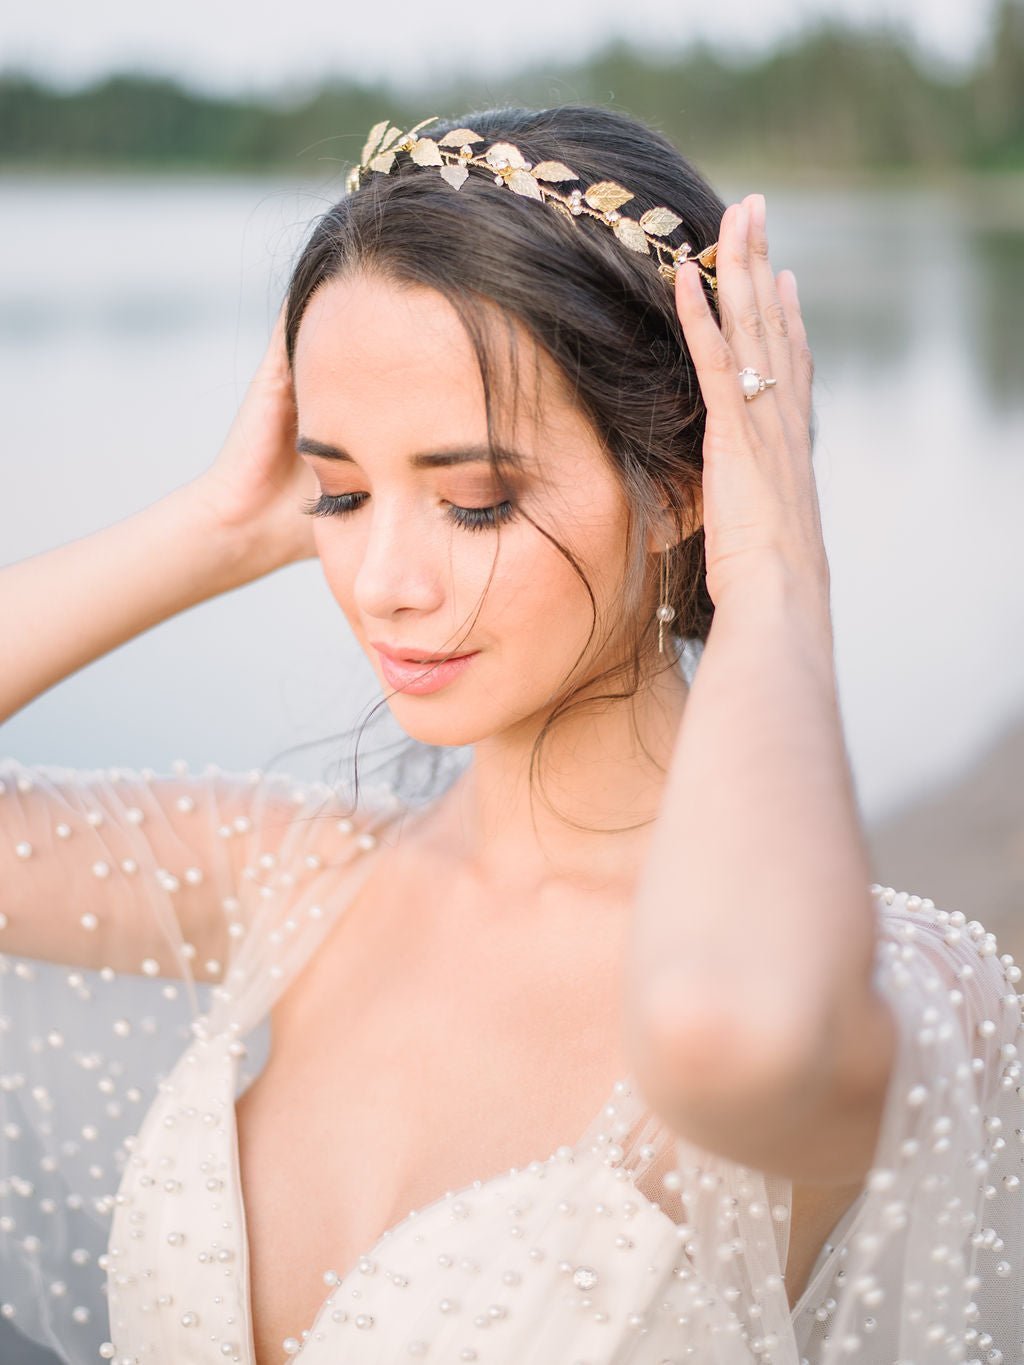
column 963, row 845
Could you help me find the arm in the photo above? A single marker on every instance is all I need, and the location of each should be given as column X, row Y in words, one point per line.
column 163, row 874
column 239, row 520
column 120, row 868
column 759, row 1024
column 751, row 1007
column 62, row 609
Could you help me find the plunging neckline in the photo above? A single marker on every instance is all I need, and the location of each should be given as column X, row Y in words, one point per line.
column 841, row 1230
column 474, row 1185
column 843, row 1227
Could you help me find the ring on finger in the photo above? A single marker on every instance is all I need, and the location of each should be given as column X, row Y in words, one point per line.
column 753, row 382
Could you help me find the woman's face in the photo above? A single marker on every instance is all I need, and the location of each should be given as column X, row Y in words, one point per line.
column 386, row 381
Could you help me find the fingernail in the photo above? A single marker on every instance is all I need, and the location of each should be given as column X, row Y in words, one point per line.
column 691, row 276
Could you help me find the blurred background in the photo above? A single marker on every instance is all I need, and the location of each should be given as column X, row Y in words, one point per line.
column 159, row 167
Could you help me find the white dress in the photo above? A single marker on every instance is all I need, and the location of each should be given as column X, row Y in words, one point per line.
column 147, row 925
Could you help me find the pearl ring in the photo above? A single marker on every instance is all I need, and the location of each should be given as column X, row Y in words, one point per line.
column 754, row 383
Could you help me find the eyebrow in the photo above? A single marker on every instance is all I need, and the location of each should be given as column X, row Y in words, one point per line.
column 425, row 459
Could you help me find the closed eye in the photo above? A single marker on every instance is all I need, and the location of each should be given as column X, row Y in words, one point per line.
column 470, row 518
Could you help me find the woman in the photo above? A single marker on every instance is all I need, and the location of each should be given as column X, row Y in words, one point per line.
column 610, row 1051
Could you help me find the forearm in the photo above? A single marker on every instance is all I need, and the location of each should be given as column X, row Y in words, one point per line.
column 63, row 608
column 754, row 931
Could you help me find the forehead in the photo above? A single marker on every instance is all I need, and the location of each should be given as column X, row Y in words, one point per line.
column 376, row 360
column 382, row 332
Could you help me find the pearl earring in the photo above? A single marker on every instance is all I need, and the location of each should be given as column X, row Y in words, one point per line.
column 666, row 612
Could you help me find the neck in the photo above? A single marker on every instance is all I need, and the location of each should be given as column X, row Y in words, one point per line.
column 603, row 766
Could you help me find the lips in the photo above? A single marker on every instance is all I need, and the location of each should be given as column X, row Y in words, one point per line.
column 415, row 656
column 419, row 675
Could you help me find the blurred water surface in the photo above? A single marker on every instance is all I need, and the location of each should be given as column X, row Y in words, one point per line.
column 132, row 312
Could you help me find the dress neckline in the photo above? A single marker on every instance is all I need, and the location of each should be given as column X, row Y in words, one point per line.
column 579, row 1148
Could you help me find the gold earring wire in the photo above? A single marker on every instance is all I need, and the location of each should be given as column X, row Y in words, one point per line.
column 666, row 612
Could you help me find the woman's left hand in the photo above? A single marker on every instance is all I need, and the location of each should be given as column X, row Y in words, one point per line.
column 760, row 502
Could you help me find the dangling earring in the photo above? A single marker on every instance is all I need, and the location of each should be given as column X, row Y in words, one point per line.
column 666, row 612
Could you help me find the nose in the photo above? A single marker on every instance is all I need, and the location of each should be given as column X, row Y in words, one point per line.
column 400, row 567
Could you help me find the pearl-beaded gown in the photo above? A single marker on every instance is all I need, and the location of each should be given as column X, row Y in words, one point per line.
column 147, row 925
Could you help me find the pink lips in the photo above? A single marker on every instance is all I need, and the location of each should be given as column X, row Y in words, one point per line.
column 421, row 678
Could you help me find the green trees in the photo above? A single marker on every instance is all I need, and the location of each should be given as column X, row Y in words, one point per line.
column 835, row 98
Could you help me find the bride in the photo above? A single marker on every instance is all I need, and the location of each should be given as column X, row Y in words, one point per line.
column 611, row 1051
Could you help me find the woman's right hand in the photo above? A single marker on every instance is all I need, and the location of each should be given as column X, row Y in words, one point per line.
column 256, row 486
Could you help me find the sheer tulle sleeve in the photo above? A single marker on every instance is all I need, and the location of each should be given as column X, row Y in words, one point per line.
column 137, row 871
column 927, row 1264
column 133, row 908
column 931, row 1264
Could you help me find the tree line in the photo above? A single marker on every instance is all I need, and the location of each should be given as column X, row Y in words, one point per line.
column 834, row 98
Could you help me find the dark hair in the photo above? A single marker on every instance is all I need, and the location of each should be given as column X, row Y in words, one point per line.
column 602, row 312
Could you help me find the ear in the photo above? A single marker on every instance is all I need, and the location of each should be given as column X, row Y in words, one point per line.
column 665, row 531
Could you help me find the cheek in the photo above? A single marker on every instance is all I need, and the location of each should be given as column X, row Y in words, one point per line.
column 536, row 600
column 339, row 562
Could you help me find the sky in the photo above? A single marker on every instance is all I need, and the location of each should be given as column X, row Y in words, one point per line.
column 228, row 46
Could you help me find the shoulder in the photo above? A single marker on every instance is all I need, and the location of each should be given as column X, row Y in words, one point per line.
column 954, row 991
column 944, row 935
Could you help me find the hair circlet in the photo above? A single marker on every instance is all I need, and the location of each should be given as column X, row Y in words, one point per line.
column 453, row 153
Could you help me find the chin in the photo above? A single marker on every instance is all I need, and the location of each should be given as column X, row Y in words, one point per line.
column 442, row 731
column 449, row 720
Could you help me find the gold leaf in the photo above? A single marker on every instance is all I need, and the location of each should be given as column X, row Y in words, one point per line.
column 425, row 152
column 509, row 151
column 423, row 123
column 606, row 195
column 553, row 170
column 383, row 162
column 392, row 136
column 523, row 183
column 660, row 222
column 458, row 137
column 374, row 137
column 455, row 175
column 708, row 257
column 631, row 234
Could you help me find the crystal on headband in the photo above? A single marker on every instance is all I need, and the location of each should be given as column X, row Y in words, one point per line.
column 453, row 153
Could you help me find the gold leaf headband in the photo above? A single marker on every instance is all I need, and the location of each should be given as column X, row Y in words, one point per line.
column 509, row 167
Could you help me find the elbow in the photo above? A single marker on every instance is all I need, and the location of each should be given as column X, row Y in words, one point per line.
column 732, row 1055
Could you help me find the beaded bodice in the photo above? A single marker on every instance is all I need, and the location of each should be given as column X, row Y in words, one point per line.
column 148, row 925
column 450, row 1279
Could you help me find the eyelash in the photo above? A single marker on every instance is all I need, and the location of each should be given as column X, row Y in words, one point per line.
column 469, row 518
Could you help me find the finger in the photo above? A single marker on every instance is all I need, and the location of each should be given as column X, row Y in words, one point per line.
column 802, row 375
column 742, row 324
column 773, row 315
column 713, row 357
column 275, row 358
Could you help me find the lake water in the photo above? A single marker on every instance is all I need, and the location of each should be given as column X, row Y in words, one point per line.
column 132, row 312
